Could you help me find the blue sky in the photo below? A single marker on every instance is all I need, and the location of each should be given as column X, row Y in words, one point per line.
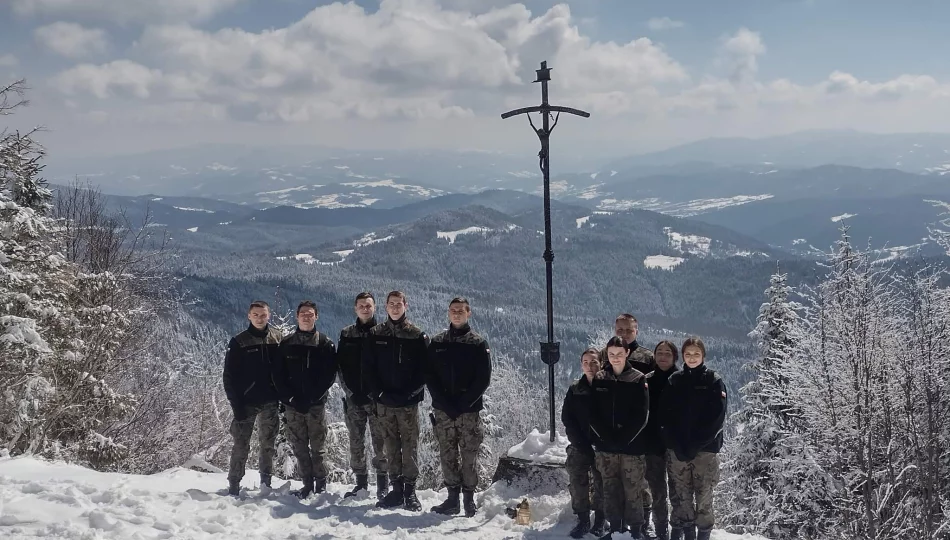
column 117, row 76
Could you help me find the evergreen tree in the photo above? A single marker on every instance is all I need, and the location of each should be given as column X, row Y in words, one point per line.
column 766, row 461
column 58, row 332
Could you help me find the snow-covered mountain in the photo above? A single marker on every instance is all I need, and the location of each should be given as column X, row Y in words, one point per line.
column 356, row 193
column 223, row 170
column 910, row 152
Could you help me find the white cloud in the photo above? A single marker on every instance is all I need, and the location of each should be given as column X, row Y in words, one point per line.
column 125, row 11
column 739, row 55
column 71, row 40
column 117, row 78
column 8, row 60
column 664, row 23
column 406, row 75
column 410, row 59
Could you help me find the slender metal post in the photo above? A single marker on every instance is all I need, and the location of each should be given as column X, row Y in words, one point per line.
column 550, row 350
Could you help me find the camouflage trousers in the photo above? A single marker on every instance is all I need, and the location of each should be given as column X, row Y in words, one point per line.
column 268, row 423
column 401, row 439
column 580, row 468
column 692, row 481
column 623, row 484
column 357, row 417
column 660, row 487
column 308, row 436
column 459, row 441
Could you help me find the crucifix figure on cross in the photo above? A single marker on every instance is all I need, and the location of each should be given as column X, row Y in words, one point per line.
column 550, row 351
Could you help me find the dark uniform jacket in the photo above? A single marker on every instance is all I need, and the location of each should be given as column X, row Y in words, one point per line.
column 693, row 412
column 306, row 369
column 248, row 367
column 657, row 381
column 639, row 357
column 349, row 354
column 575, row 415
column 394, row 363
column 621, row 407
column 459, row 371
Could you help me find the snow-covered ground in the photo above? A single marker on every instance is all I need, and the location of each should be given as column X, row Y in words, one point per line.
column 680, row 209
column 664, row 262
column 451, row 235
column 537, row 447
column 39, row 499
column 836, row 219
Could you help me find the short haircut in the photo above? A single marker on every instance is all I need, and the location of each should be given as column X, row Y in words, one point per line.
column 308, row 304
column 625, row 317
column 461, row 300
column 615, row 341
column 397, row 294
column 590, row 350
column 258, row 304
column 694, row 341
column 671, row 347
column 363, row 296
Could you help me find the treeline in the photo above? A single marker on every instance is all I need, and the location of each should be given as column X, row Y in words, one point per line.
column 845, row 432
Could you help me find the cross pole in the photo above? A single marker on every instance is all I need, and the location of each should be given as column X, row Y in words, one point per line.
column 550, row 351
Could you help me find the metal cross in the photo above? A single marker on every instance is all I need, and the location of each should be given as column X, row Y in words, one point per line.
column 550, row 351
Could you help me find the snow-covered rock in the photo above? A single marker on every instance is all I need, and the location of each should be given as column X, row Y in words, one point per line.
column 537, row 447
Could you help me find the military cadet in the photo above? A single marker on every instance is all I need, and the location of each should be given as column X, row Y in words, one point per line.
column 621, row 403
column 665, row 354
column 304, row 372
column 457, row 376
column 627, row 329
column 249, row 385
column 581, row 470
column 359, row 410
column 394, row 363
column 692, row 415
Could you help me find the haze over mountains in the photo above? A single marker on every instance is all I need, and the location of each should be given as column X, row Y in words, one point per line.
column 792, row 192
column 686, row 238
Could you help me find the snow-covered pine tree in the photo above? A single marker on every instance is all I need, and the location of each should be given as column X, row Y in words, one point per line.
column 767, row 467
column 58, row 332
column 843, row 376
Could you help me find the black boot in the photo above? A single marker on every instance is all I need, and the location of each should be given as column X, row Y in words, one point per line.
column 583, row 526
column 676, row 533
column 362, row 482
column 306, row 490
column 319, row 485
column 615, row 527
column 662, row 531
column 703, row 535
column 689, row 532
column 645, row 529
column 468, row 501
column 636, row 533
column 599, row 528
column 382, row 485
column 450, row 506
column 265, row 480
column 234, row 487
column 411, row 501
column 394, row 498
